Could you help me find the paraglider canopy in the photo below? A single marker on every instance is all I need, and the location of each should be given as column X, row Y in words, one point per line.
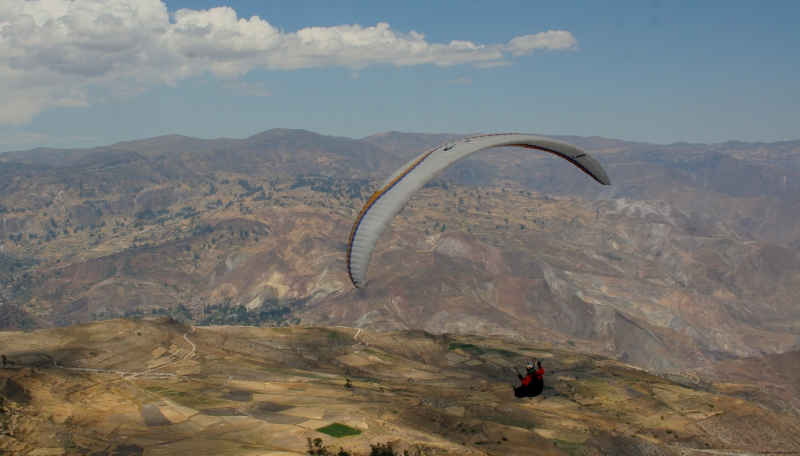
column 401, row 186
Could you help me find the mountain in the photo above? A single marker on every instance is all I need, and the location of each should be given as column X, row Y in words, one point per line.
column 409, row 145
column 689, row 258
column 757, row 198
column 771, row 379
column 290, row 152
column 13, row 318
column 144, row 386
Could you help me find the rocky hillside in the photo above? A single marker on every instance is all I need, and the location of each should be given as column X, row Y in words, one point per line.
column 672, row 267
column 751, row 187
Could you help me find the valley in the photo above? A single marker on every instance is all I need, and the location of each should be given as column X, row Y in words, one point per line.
column 663, row 276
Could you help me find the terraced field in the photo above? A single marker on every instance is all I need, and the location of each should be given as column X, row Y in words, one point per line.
column 159, row 387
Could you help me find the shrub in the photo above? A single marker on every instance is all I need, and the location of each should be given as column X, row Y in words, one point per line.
column 315, row 448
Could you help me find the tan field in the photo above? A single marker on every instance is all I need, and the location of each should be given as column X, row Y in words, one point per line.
column 160, row 387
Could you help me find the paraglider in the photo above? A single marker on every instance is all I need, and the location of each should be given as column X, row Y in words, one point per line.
column 401, row 186
column 532, row 383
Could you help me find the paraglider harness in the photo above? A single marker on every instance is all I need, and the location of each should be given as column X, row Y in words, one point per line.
column 532, row 383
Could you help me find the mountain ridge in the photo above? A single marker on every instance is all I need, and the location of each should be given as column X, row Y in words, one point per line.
column 682, row 257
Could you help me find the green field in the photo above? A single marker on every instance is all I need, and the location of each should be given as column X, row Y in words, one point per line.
column 338, row 430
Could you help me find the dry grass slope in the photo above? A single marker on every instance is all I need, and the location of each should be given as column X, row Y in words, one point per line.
column 158, row 387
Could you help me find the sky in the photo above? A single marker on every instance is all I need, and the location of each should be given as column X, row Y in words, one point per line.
column 82, row 73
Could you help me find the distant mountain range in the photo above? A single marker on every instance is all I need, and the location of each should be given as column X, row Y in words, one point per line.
column 688, row 258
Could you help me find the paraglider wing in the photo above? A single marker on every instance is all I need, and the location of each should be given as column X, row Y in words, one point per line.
column 401, row 186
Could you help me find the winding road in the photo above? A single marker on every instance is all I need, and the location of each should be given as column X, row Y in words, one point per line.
column 194, row 348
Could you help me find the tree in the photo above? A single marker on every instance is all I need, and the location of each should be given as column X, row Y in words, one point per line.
column 315, row 448
column 381, row 449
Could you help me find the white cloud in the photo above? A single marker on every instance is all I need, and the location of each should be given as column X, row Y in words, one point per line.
column 492, row 64
column 51, row 51
column 553, row 40
column 460, row 81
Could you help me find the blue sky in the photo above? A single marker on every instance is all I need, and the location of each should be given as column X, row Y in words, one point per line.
column 657, row 72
